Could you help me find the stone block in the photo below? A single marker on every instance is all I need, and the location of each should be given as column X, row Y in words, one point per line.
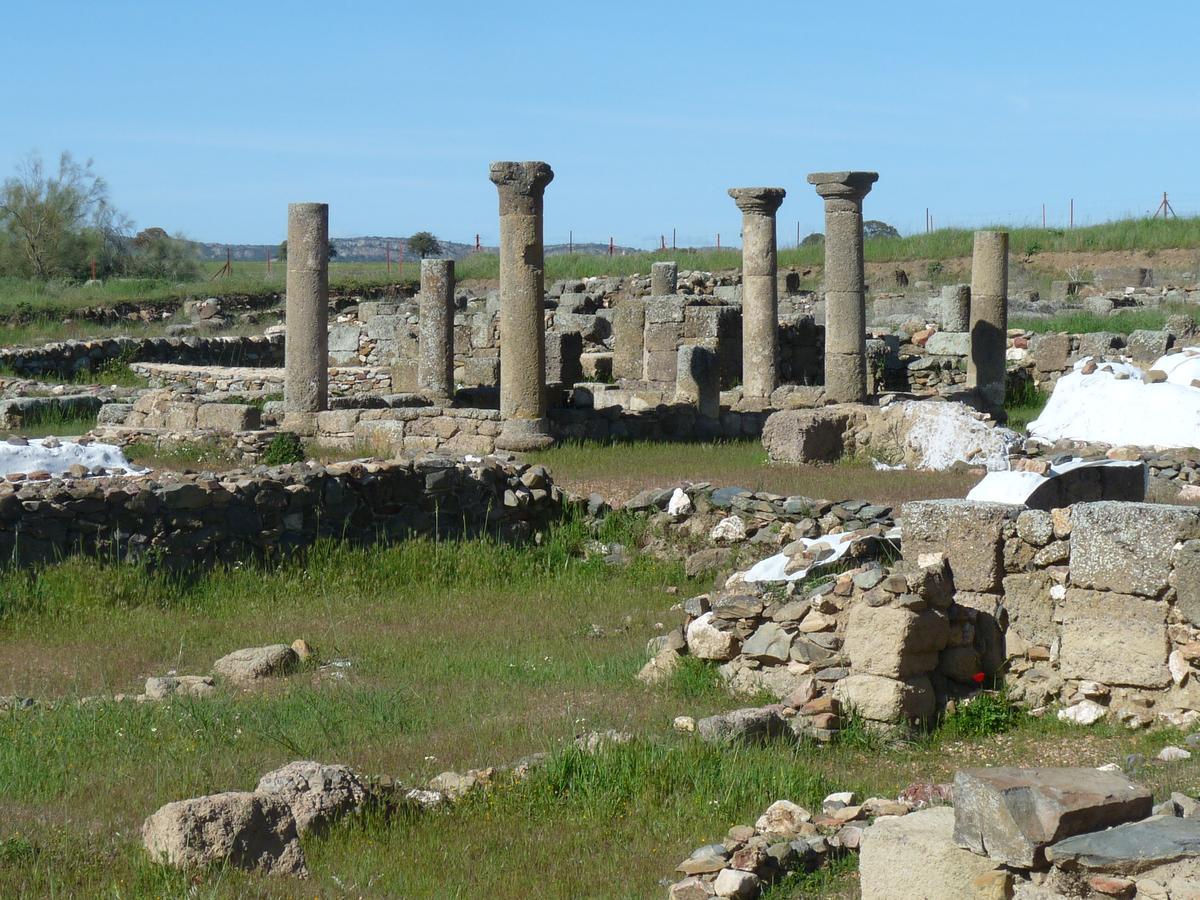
column 662, row 337
column 343, row 340
column 948, row 343
column 1147, row 346
column 1186, row 579
column 481, row 370
column 916, row 856
column 228, row 417
column 1030, row 607
column 1011, row 815
column 886, row 700
column 1131, row 848
column 1114, row 639
column 970, row 534
column 1127, row 547
column 1108, row 277
column 806, row 436
column 1050, row 352
column 660, row 367
column 893, row 641
column 664, row 309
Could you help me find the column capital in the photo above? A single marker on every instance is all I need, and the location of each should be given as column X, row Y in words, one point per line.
column 762, row 200
column 521, row 179
column 843, row 185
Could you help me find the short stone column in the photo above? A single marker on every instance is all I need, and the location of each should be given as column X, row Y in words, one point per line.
column 955, row 308
column 845, row 284
column 306, row 347
column 629, row 339
column 664, row 277
column 435, row 343
column 760, row 291
column 697, row 379
column 989, row 317
column 522, row 319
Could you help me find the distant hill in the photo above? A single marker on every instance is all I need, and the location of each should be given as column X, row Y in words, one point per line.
column 374, row 249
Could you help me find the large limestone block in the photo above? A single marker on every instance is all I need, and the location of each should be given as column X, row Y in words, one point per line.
column 230, row 417
column 1131, row 848
column 916, row 856
column 894, row 642
column 887, row 700
column 812, row 435
column 1127, row 547
column 237, row 828
column 1030, row 607
column 706, row 641
column 970, row 534
column 1012, row 814
column 1114, row 639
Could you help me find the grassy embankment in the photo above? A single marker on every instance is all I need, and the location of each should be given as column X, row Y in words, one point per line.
column 455, row 655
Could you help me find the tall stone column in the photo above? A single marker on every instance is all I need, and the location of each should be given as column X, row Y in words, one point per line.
column 435, row 343
column 663, row 278
column 760, row 292
column 845, row 284
column 306, row 348
column 989, row 317
column 522, row 320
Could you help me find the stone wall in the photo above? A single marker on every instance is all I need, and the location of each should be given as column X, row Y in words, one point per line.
column 64, row 359
column 246, row 381
column 1097, row 605
column 180, row 521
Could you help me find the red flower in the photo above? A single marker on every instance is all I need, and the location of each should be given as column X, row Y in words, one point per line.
column 978, row 677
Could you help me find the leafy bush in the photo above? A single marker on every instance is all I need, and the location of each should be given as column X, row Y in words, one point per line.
column 284, row 448
column 988, row 713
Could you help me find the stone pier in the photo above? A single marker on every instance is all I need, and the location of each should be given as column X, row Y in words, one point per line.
column 306, row 350
column 845, row 284
column 760, row 292
column 663, row 278
column 989, row 317
column 521, row 186
column 697, row 379
column 629, row 339
column 955, row 308
column 435, row 347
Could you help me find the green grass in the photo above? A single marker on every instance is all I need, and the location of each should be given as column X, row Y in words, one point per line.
column 620, row 470
column 1120, row 322
column 1023, row 403
column 206, row 456
column 53, row 422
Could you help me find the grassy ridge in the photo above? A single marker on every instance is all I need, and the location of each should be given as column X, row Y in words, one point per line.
column 251, row 278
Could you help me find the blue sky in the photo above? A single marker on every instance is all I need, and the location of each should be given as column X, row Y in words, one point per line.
column 209, row 118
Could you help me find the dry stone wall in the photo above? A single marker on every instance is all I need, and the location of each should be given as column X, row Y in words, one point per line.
column 65, row 359
column 1096, row 605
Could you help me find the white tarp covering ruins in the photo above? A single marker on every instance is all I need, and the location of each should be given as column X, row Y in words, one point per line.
column 1114, row 404
column 54, row 456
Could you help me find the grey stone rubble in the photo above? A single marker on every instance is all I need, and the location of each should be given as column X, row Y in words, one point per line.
column 1034, row 834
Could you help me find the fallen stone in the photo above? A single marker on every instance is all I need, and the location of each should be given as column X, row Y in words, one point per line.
column 1130, row 848
column 1011, row 815
column 743, row 726
column 736, row 884
column 238, row 828
column 706, row 641
column 1085, row 712
column 184, row 685
column 783, row 817
column 253, row 664
column 317, row 795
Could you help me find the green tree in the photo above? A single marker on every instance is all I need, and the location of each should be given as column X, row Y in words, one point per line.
column 813, row 240
column 424, row 244
column 873, row 228
column 155, row 254
column 54, row 222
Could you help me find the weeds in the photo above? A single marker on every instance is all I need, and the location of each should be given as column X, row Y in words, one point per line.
column 985, row 714
column 285, row 448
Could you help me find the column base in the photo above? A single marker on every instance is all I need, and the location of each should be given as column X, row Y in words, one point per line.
column 845, row 378
column 302, row 423
column 524, row 435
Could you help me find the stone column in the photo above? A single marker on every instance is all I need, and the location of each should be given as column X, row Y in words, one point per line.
column 697, row 379
column 629, row 339
column 663, row 278
column 955, row 310
column 845, row 284
column 989, row 317
column 760, row 291
column 306, row 348
column 522, row 320
column 435, row 346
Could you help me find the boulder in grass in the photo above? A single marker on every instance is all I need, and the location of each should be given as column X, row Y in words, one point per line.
column 237, row 828
column 252, row 664
column 318, row 795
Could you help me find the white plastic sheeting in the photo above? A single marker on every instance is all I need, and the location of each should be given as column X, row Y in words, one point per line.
column 60, row 456
column 1016, row 487
column 1106, row 409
